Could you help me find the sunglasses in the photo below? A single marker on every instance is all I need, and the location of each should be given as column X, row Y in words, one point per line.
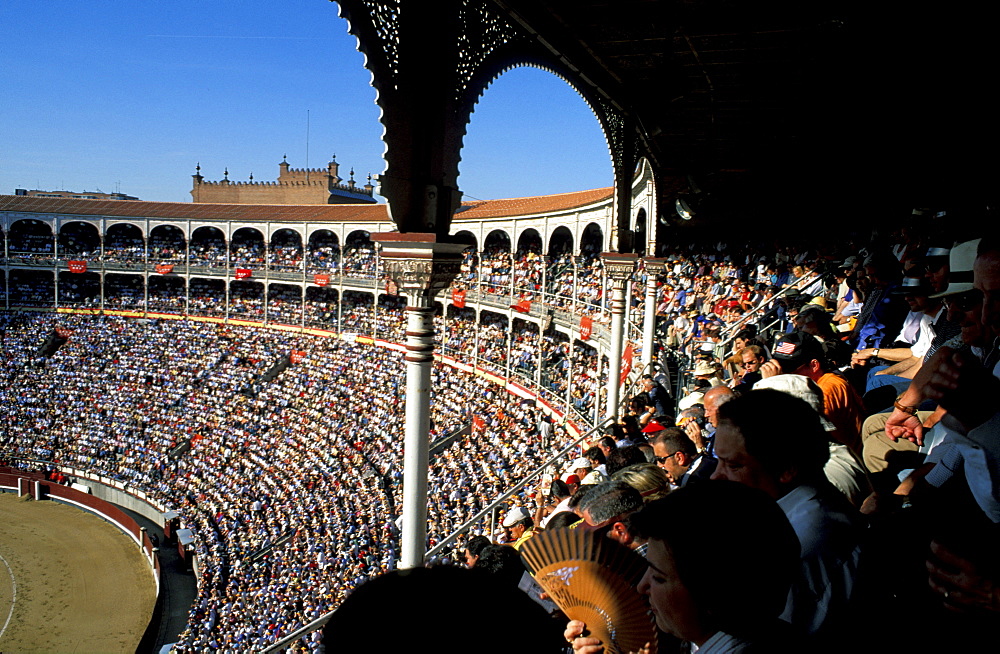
column 965, row 301
column 663, row 459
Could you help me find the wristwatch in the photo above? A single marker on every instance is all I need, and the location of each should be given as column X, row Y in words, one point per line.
column 912, row 410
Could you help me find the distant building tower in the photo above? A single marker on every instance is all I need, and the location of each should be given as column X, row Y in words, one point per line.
column 294, row 186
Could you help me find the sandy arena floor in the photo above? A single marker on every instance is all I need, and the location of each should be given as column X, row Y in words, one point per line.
column 81, row 584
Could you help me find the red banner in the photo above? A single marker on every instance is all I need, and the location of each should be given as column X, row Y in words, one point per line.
column 458, row 298
column 524, row 306
column 586, row 327
column 297, row 355
column 164, row 268
column 391, row 287
column 63, row 332
column 478, row 423
column 627, row 361
column 243, row 273
column 77, row 266
column 321, row 280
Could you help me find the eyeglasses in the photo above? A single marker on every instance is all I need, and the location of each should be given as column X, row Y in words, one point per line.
column 964, row 301
column 663, row 459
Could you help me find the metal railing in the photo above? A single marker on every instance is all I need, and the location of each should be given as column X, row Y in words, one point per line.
column 729, row 333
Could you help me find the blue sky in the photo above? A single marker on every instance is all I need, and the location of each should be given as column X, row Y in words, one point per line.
column 132, row 94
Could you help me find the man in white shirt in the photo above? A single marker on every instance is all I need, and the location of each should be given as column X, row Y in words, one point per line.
column 772, row 441
column 917, row 331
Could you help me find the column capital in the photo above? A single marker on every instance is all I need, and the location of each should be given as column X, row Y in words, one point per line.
column 619, row 266
column 420, row 264
column 655, row 266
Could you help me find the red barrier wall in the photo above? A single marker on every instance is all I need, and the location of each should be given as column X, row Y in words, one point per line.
column 109, row 511
column 84, row 500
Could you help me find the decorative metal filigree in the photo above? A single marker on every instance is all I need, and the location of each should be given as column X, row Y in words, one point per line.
column 482, row 33
column 385, row 20
column 621, row 137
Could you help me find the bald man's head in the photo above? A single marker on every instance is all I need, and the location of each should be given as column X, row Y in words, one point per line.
column 715, row 398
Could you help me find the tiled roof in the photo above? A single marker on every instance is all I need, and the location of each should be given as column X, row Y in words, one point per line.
column 199, row 211
column 279, row 212
column 530, row 206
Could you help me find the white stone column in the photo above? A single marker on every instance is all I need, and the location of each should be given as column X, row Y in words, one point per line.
column 618, row 268
column 416, row 444
column 654, row 268
column 421, row 267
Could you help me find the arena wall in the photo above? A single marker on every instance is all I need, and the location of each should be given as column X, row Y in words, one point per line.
column 93, row 504
column 116, row 493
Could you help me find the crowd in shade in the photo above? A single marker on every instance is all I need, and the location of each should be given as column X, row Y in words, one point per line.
column 851, row 388
column 285, row 253
column 849, row 385
column 559, row 281
column 120, row 248
column 359, row 259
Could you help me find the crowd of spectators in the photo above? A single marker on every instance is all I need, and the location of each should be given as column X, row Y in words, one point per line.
column 123, row 291
column 284, row 304
column 324, row 258
column 889, row 495
column 359, row 259
column 285, row 253
column 246, row 251
column 316, row 452
column 838, row 325
column 166, row 245
column 903, row 494
column 561, row 281
column 28, row 246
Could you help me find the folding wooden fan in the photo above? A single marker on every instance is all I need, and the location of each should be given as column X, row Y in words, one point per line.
column 593, row 579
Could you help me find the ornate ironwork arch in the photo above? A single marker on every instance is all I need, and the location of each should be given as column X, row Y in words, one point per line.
column 429, row 69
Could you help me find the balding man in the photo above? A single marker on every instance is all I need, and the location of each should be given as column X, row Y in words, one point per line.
column 704, row 439
column 715, row 398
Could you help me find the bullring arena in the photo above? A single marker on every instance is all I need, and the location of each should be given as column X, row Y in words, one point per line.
column 261, row 414
column 69, row 581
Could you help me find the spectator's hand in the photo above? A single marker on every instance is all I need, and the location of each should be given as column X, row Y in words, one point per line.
column 871, row 505
column 860, row 358
column 962, row 583
column 964, row 387
column 581, row 644
column 693, row 431
column 770, row 369
column 586, row 645
column 903, row 425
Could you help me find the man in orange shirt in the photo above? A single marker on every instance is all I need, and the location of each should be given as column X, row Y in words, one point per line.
column 800, row 353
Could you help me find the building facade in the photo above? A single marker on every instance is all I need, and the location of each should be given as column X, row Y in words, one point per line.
column 73, row 195
column 294, row 186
